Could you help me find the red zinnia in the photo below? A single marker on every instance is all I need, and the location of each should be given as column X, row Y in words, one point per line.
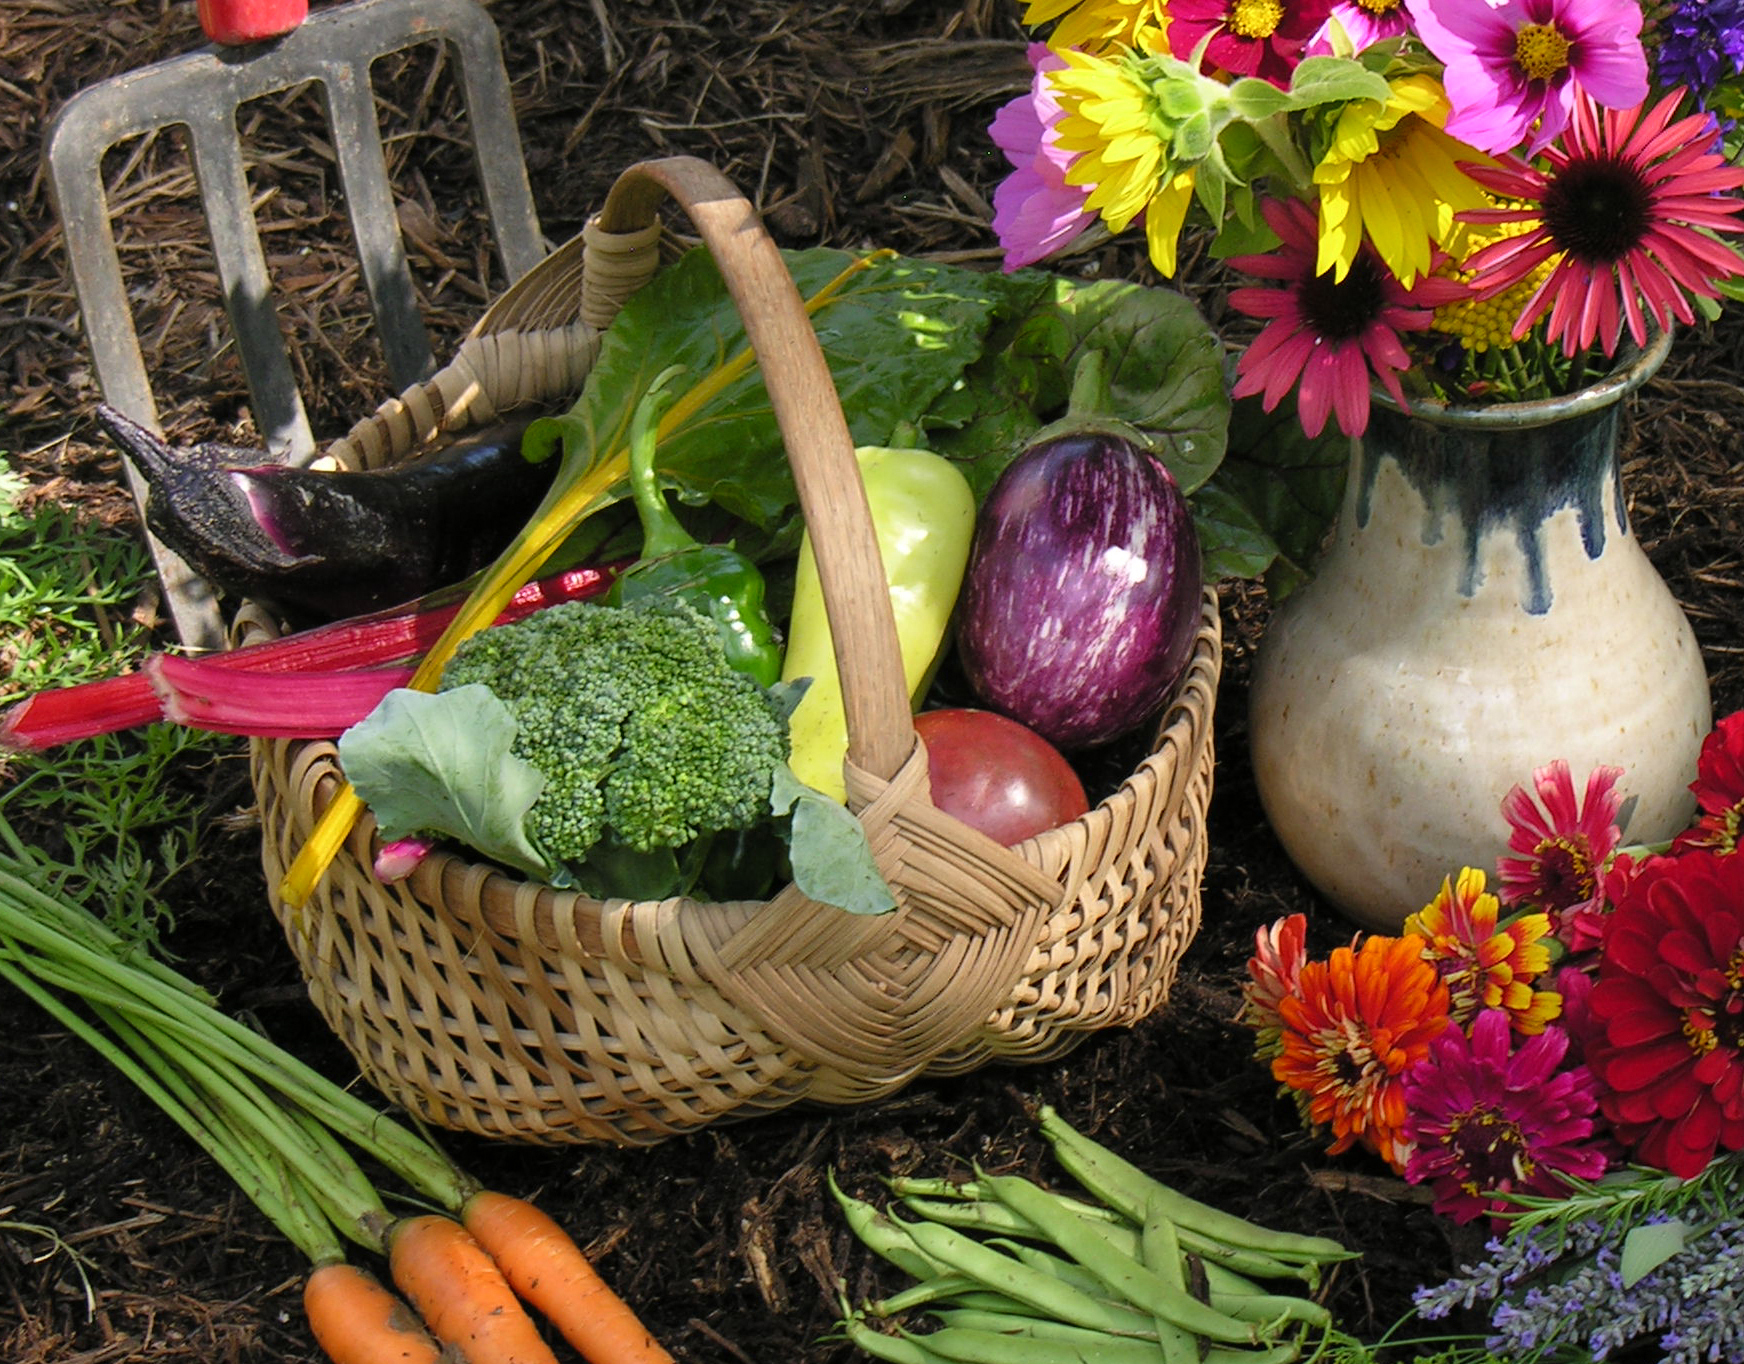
column 1261, row 38
column 1624, row 210
column 1719, row 789
column 1668, row 1012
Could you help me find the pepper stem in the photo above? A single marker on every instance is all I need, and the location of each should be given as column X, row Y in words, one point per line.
column 661, row 532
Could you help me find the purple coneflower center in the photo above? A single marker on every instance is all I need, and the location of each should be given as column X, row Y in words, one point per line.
column 1491, row 1148
column 1256, row 18
column 1565, row 873
column 1340, row 310
column 1598, row 210
column 1541, row 51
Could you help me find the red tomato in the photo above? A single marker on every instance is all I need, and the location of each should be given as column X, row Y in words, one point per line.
column 997, row 775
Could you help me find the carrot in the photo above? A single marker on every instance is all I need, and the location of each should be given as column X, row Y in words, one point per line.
column 461, row 1294
column 357, row 1321
column 547, row 1269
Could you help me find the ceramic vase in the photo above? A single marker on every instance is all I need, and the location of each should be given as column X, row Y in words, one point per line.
column 1481, row 610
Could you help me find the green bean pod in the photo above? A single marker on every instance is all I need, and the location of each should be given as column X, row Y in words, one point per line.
column 966, row 1345
column 1160, row 1250
column 901, row 1349
column 883, row 1236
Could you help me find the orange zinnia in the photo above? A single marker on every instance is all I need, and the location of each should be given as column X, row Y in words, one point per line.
column 1355, row 1023
column 1486, row 965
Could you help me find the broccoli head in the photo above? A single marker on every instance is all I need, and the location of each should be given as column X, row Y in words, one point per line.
column 640, row 726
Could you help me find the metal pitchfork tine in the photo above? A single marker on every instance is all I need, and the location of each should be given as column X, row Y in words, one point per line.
column 202, row 91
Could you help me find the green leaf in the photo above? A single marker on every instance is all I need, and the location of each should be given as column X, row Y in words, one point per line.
column 441, row 763
column 1335, row 80
column 1253, row 99
column 1290, row 485
column 832, row 861
column 1162, row 374
column 1648, row 1245
column 896, row 335
column 1232, row 542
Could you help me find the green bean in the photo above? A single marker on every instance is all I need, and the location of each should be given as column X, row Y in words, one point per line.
column 1012, row 1277
column 1285, row 1352
column 939, row 1288
column 1016, row 1323
column 964, row 1345
column 893, row 1349
column 1270, row 1310
column 1253, row 1262
column 881, row 1235
column 1128, row 1189
column 1070, row 1271
column 1225, row 1281
column 1127, row 1277
column 1160, row 1249
column 978, row 1215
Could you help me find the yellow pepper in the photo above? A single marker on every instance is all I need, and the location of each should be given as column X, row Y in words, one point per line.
column 924, row 514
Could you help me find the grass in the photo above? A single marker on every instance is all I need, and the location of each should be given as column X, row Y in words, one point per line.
column 119, row 812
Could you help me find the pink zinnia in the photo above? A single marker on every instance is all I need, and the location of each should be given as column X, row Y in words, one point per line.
column 1486, row 1121
column 1719, row 789
column 1562, row 843
column 1264, row 38
column 1623, row 210
column 1327, row 335
column 1280, row 951
column 1514, row 68
column 1035, row 212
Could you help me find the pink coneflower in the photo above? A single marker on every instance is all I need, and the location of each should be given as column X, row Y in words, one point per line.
column 1263, row 38
column 1327, row 335
column 1035, row 212
column 1719, row 789
column 1622, row 210
column 1487, row 1121
column 1562, row 842
column 1668, row 1012
column 1515, row 68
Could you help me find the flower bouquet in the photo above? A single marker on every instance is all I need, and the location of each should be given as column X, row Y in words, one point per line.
column 1563, row 1055
column 1466, row 200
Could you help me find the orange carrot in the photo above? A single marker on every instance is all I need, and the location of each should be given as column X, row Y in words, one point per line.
column 549, row 1270
column 357, row 1321
column 461, row 1294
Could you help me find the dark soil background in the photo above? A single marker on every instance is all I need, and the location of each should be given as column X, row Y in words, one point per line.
column 848, row 124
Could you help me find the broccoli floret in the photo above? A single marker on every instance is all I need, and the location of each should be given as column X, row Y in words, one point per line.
column 641, row 727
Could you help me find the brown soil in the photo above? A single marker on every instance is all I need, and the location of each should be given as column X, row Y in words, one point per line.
column 849, row 124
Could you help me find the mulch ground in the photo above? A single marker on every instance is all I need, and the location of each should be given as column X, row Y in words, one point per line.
column 848, row 124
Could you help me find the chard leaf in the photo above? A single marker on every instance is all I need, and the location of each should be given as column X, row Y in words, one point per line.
column 1646, row 1247
column 441, row 763
column 832, row 861
column 896, row 335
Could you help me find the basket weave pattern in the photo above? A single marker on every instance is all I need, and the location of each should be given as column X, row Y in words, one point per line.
column 488, row 1003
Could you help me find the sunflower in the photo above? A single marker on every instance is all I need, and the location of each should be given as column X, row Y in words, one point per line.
column 1393, row 176
column 1097, row 25
column 1355, row 1022
column 1484, row 964
column 1624, row 210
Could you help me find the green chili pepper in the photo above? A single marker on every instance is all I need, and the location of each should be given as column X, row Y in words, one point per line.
column 717, row 580
column 924, row 515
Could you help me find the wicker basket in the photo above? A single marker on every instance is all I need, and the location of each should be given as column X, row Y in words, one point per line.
column 487, row 1003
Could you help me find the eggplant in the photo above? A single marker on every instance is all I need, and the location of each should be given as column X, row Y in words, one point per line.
column 1082, row 595
column 325, row 543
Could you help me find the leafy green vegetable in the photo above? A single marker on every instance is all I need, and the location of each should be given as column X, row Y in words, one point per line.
column 832, row 862
column 443, row 763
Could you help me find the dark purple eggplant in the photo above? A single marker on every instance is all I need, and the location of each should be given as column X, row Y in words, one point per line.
column 1081, row 600
column 323, row 544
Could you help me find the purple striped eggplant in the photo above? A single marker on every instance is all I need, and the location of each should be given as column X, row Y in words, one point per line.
column 1082, row 595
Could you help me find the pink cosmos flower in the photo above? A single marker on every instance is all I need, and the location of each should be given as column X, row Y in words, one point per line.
column 1486, row 1120
column 1035, row 212
column 1719, row 789
column 1366, row 22
column 1326, row 336
column 1563, row 843
column 1624, row 210
column 1514, row 68
column 1247, row 38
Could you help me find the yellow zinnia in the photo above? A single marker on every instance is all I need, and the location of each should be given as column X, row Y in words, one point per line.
column 1118, row 149
column 1392, row 175
column 1097, row 24
column 1484, row 963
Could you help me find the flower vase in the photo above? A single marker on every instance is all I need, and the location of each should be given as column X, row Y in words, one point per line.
column 1482, row 610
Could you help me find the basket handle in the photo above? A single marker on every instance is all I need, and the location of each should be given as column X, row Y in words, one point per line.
column 819, row 446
